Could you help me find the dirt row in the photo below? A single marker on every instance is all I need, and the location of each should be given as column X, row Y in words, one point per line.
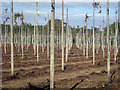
column 79, row 71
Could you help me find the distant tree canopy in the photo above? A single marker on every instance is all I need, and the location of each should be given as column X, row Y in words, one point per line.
column 58, row 26
column 112, row 27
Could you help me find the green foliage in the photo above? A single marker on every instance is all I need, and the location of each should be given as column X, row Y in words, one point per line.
column 74, row 40
column 112, row 79
column 102, row 85
column 112, row 27
column 58, row 26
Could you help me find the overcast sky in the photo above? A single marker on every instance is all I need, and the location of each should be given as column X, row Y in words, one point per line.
column 77, row 11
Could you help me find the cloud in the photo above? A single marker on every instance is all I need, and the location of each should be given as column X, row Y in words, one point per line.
column 34, row 12
column 77, row 11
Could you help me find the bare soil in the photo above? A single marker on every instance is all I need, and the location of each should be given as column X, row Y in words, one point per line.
column 79, row 71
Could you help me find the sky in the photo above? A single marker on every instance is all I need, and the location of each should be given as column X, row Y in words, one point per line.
column 61, row 0
column 76, row 11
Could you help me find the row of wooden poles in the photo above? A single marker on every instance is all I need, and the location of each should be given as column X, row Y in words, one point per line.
column 99, row 38
column 79, row 42
column 84, row 39
column 20, row 39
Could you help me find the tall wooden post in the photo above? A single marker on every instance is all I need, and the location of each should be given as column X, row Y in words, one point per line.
column 108, row 43
column 34, row 39
column 67, row 38
column 116, row 35
column 83, row 41
column 52, row 44
column 93, row 34
column 22, row 46
column 37, row 31
column 62, row 35
column 5, row 39
column 12, row 59
column 48, row 39
column 86, row 39
column 103, row 38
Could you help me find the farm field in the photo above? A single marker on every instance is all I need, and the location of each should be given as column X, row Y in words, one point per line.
column 79, row 71
column 59, row 44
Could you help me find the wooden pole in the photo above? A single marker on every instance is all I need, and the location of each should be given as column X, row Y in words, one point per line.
column 34, row 38
column 67, row 38
column 12, row 59
column 48, row 39
column 83, row 41
column 62, row 35
column 108, row 43
column 93, row 35
column 87, row 39
column 103, row 39
column 116, row 35
column 5, row 39
column 52, row 45
column 37, row 31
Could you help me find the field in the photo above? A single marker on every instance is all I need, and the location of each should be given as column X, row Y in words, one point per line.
column 79, row 72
